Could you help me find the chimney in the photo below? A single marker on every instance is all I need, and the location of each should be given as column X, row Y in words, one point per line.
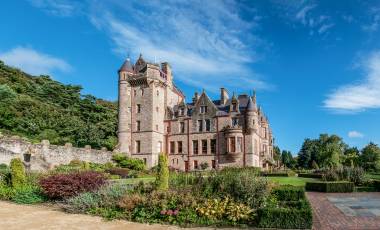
column 223, row 96
column 167, row 69
column 195, row 98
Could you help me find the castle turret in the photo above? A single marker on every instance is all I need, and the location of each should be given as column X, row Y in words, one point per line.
column 250, row 116
column 166, row 68
column 124, row 135
column 223, row 96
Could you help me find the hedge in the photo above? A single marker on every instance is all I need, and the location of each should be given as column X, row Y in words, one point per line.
column 376, row 184
column 330, row 186
column 310, row 175
column 278, row 174
column 285, row 218
column 289, row 193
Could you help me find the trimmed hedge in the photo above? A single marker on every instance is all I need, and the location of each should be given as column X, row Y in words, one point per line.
column 310, row 175
column 330, row 186
column 289, row 193
column 376, row 184
column 278, row 174
column 285, row 218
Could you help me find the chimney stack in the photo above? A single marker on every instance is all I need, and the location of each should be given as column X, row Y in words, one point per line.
column 167, row 69
column 195, row 98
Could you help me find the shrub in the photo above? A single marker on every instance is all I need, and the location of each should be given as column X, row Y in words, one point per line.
column 310, row 175
column 279, row 173
column 122, row 172
column 127, row 162
column 328, row 186
column 289, row 193
column 355, row 175
column 6, row 192
column 285, row 218
column 28, row 195
column 163, row 173
column 130, row 201
column 61, row 186
column 204, row 165
column 376, row 185
column 18, row 176
column 106, row 196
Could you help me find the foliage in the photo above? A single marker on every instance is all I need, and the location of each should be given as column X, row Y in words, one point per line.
column 285, row 218
column 289, row 193
column 28, row 195
column 376, row 184
column 330, row 186
column 310, row 175
column 370, row 157
column 107, row 196
column 122, row 172
column 18, row 176
column 162, row 179
column 77, row 165
column 61, row 186
column 6, row 192
column 216, row 209
column 276, row 153
column 287, row 159
column 41, row 108
column 351, row 157
column 355, row 175
column 278, row 173
column 123, row 161
column 204, row 165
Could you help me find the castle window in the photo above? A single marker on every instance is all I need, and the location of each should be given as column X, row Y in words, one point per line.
column 208, row 124
column 138, row 108
column 138, row 125
column 203, row 109
column 234, row 106
column 156, row 127
column 182, row 112
column 134, row 93
column 204, row 146
column 129, row 109
column 213, row 145
column 239, row 144
column 182, row 127
column 159, row 146
column 142, row 92
column 138, row 146
column 195, row 164
column 158, row 93
column 200, row 125
column 179, row 146
column 213, row 164
column 232, row 145
column 172, row 147
column 195, row 147
column 235, row 121
column 144, row 160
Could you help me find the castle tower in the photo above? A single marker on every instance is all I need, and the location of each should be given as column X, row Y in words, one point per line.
column 124, row 123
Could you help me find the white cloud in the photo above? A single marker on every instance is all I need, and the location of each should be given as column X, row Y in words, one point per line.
column 33, row 62
column 324, row 28
column 373, row 26
column 63, row 8
column 355, row 134
column 207, row 48
column 302, row 13
column 359, row 96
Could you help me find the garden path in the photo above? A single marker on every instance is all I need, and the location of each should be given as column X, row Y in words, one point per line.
column 345, row 211
column 31, row 217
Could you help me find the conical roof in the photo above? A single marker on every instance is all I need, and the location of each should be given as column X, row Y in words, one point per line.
column 250, row 105
column 127, row 66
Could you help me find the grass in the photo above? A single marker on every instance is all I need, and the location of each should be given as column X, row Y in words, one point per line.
column 136, row 180
column 295, row 181
column 374, row 176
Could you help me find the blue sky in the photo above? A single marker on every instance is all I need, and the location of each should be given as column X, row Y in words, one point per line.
column 314, row 64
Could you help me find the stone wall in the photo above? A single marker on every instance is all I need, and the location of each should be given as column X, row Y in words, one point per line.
column 44, row 156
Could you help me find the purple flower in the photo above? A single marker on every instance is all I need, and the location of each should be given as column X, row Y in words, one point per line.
column 163, row 212
column 170, row 212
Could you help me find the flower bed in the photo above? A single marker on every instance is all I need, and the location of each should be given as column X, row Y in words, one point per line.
column 330, row 186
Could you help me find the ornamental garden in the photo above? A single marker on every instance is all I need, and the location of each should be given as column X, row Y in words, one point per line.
column 239, row 197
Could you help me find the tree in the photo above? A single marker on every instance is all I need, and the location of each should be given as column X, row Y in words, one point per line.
column 162, row 179
column 308, row 153
column 276, row 154
column 351, row 157
column 18, row 177
column 287, row 159
column 370, row 157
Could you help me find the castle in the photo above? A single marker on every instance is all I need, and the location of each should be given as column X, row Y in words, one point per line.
column 154, row 118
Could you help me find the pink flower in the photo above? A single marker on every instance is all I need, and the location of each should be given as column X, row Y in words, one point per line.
column 170, row 212
column 163, row 212
column 176, row 212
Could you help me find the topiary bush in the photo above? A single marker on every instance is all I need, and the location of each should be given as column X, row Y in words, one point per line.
column 127, row 162
column 18, row 176
column 61, row 186
column 122, row 172
column 330, row 186
column 285, row 218
column 162, row 179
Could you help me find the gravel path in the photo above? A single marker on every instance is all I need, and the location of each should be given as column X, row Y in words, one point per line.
column 17, row 217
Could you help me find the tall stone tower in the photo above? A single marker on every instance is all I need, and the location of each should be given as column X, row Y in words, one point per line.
column 146, row 90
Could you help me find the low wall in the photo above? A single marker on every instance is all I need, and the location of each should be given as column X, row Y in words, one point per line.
column 44, row 156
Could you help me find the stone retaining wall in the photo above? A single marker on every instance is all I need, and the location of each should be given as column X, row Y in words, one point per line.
column 44, row 156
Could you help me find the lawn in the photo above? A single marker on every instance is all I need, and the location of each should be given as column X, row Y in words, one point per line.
column 295, row 181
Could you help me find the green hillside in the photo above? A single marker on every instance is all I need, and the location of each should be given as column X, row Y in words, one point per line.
column 41, row 108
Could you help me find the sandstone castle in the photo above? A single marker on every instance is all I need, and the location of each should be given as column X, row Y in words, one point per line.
column 154, row 118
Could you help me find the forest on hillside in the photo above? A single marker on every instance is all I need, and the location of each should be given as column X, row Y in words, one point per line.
column 38, row 108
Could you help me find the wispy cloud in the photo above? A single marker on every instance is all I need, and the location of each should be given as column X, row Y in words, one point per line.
column 208, row 43
column 33, row 62
column 374, row 14
column 63, row 8
column 359, row 96
column 355, row 134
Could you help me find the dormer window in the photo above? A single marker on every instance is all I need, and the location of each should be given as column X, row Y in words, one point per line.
column 234, row 107
column 182, row 111
column 235, row 121
column 203, row 109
